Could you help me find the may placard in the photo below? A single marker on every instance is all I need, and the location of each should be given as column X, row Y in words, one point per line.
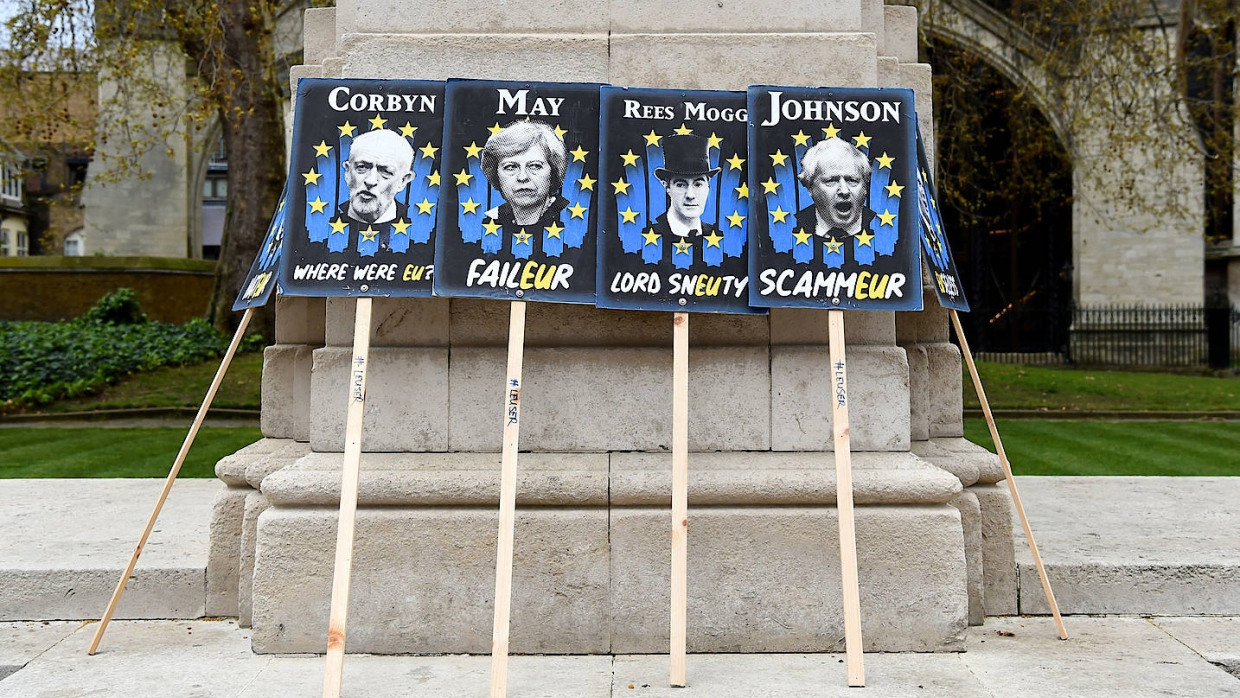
column 364, row 186
column 675, row 201
column 834, row 220
column 935, row 248
column 517, row 216
column 260, row 282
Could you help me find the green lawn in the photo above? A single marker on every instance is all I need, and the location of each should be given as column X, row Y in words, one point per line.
column 1029, row 387
column 177, row 386
column 1037, row 447
column 115, row 452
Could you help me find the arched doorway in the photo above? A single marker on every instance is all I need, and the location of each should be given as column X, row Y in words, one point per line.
column 1005, row 184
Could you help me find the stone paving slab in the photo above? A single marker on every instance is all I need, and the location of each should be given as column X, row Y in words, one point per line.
column 1215, row 639
column 1140, row 545
column 67, row 541
column 1104, row 657
column 22, row 642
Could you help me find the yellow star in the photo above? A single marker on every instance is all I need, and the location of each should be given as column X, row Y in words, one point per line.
column 317, row 205
column 491, row 226
column 833, row 245
column 778, row 158
column 369, row 234
column 521, row 237
column 339, row 226
column 682, row 247
column 830, row 131
column 428, row 151
column 346, row 130
column 861, row 140
column 779, row 214
column 495, row 129
column 559, row 132
column 652, row 238
column 472, row 150
column 735, row 162
column 769, row 186
column 884, row 160
column 886, row 217
column 801, row 236
column 470, row 205
column 713, row 141
column 579, row 155
column 864, row 238
column 400, row 227
column 629, row 215
column 622, row 187
column 322, row 149
column 463, row 177
column 799, row 138
column 578, row 211
column 425, row 206
column 683, row 130
column 378, row 122
column 312, row 177
column 652, row 138
column 713, row 239
column 742, row 192
column 554, row 230
column 586, row 182
column 894, row 189
column 281, row 206
column 735, row 219
column 407, row 130
column 629, row 158
column 433, row 179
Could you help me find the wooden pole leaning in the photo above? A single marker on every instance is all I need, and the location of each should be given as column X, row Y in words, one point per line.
column 1007, row 474
column 507, row 501
column 844, row 500
column 680, row 495
column 349, row 477
column 172, row 476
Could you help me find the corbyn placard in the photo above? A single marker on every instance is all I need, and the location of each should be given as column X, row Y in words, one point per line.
column 364, row 188
column 934, row 246
column 260, row 282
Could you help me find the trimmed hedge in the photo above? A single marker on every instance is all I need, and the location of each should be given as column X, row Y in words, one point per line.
column 47, row 361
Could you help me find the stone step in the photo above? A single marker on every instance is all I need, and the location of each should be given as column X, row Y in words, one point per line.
column 67, row 541
column 1160, row 546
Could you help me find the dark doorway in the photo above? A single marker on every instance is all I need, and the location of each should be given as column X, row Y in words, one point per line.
column 1005, row 184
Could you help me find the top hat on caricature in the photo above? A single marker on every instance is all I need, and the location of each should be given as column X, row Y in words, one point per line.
column 685, row 155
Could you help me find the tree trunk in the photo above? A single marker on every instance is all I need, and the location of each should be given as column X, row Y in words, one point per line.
column 252, row 116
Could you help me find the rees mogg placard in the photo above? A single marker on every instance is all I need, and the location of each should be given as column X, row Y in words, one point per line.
column 833, row 176
column 675, row 201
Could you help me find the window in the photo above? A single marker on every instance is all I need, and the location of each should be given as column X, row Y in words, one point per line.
column 74, row 246
column 21, row 243
column 215, row 187
column 4, row 243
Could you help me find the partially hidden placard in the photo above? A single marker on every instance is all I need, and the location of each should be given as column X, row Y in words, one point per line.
column 517, row 216
column 935, row 248
column 834, row 219
column 260, row 282
column 364, row 188
column 673, row 222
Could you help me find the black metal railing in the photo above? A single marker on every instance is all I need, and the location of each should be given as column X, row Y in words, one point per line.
column 1155, row 336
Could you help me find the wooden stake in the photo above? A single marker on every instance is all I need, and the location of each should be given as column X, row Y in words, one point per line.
column 172, row 476
column 1007, row 474
column 349, row 476
column 680, row 495
column 844, row 500
column 507, row 501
